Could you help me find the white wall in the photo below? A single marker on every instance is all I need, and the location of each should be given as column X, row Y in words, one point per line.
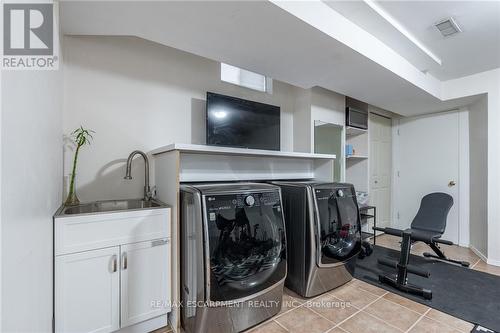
column 302, row 133
column 327, row 106
column 31, row 192
column 478, row 122
column 486, row 82
column 311, row 105
column 464, row 177
column 137, row 94
column 1, row 243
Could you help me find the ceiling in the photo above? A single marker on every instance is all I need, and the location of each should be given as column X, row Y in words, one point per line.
column 258, row 36
column 475, row 49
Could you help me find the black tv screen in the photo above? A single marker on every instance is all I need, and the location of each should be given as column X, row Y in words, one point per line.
column 235, row 122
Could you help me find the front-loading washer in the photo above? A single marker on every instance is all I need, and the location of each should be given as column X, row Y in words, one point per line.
column 233, row 255
column 324, row 235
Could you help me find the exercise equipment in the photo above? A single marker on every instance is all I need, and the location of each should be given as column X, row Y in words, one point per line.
column 428, row 226
column 430, row 223
column 366, row 250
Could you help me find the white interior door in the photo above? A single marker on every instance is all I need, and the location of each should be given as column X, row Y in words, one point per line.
column 87, row 291
column 380, row 159
column 145, row 281
column 428, row 161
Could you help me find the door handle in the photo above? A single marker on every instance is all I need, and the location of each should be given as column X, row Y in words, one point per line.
column 124, row 261
column 452, row 183
column 114, row 263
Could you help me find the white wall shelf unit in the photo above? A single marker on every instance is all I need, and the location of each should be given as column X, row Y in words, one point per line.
column 178, row 163
column 356, row 157
column 357, row 165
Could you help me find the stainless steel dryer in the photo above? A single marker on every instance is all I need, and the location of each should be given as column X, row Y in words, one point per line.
column 323, row 232
column 233, row 255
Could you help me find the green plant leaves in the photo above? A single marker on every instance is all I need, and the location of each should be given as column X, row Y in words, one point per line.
column 82, row 136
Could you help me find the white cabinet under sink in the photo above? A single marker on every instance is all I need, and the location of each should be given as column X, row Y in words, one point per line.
column 124, row 284
column 143, row 281
column 87, row 291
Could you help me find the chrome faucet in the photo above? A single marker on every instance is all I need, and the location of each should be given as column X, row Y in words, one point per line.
column 148, row 194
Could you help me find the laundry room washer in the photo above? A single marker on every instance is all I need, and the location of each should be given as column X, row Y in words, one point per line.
column 324, row 235
column 233, row 255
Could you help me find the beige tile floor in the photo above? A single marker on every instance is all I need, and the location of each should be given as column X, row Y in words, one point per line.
column 359, row 307
column 452, row 251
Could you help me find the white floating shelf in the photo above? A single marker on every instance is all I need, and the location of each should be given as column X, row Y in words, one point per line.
column 352, row 131
column 358, row 157
column 219, row 150
column 199, row 163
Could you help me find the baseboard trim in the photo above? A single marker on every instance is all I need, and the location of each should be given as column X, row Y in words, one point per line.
column 146, row 326
column 493, row 262
column 174, row 321
column 479, row 254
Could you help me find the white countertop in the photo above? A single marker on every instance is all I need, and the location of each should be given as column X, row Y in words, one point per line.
column 204, row 149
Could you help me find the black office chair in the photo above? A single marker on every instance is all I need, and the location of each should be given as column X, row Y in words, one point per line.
column 428, row 226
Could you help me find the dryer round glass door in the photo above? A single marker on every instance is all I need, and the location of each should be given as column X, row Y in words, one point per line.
column 339, row 227
column 246, row 244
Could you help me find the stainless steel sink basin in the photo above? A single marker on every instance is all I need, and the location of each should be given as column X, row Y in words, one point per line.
column 110, row 206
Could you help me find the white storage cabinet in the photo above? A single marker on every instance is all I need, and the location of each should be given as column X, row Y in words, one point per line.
column 112, row 270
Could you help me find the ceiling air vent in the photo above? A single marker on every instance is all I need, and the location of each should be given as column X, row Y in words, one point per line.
column 448, row 27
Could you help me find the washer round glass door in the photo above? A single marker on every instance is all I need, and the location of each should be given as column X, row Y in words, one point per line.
column 246, row 243
column 339, row 225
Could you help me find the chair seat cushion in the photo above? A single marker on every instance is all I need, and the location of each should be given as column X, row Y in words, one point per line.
column 424, row 235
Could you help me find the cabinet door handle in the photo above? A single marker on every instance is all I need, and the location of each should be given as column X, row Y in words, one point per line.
column 114, row 263
column 124, row 260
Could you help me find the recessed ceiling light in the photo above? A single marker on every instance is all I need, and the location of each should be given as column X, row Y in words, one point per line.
column 448, row 27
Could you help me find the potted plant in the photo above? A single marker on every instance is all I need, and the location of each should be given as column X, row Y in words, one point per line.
column 80, row 137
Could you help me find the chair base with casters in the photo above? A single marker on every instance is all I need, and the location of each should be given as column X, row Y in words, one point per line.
column 403, row 267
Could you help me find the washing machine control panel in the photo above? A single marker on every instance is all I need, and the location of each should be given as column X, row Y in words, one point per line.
column 243, row 200
column 250, row 200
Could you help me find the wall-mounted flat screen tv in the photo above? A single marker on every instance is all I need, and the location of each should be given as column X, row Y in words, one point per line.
column 235, row 122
